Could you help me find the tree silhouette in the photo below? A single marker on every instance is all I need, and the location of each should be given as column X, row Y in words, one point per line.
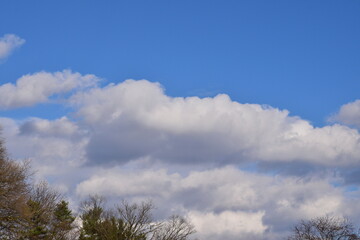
column 324, row 228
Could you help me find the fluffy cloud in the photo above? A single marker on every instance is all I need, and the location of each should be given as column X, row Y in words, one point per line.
column 135, row 119
column 228, row 225
column 226, row 203
column 219, row 190
column 349, row 114
column 186, row 154
column 8, row 43
column 38, row 87
column 55, row 148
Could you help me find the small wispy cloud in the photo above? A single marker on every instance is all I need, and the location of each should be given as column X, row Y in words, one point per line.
column 348, row 114
column 8, row 43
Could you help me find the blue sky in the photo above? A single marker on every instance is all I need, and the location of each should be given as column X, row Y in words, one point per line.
column 303, row 56
column 246, row 121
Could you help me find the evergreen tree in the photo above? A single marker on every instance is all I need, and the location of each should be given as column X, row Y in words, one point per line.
column 129, row 222
column 37, row 223
column 62, row 221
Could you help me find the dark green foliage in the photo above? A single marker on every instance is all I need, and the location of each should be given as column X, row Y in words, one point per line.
column 47, row 224
column 62, row 221
column 92, row 221
column 99, row 224
column 37, row 223
column 129, row 222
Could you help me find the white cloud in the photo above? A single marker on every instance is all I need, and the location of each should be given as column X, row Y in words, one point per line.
column 38, row 87
column 184, row 153
column 156, row 183
column 348, row 114
column 54, row 147
column 248, row 205
column 135, row 119
column 8, row 43
column 228, row 225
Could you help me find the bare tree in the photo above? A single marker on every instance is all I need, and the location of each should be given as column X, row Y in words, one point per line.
column 137, row 219
column 14, row 189
column 324, row 228
column 29, row 211
column 125, row 222
column 41, row 203
column 176, row 228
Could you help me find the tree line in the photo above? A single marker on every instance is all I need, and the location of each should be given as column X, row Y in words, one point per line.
column 30, row 211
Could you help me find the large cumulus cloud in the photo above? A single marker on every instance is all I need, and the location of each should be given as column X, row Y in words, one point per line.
column 236, row 170
column 135, row 119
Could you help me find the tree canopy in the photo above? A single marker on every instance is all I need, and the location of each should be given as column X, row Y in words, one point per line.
column 129, row 222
